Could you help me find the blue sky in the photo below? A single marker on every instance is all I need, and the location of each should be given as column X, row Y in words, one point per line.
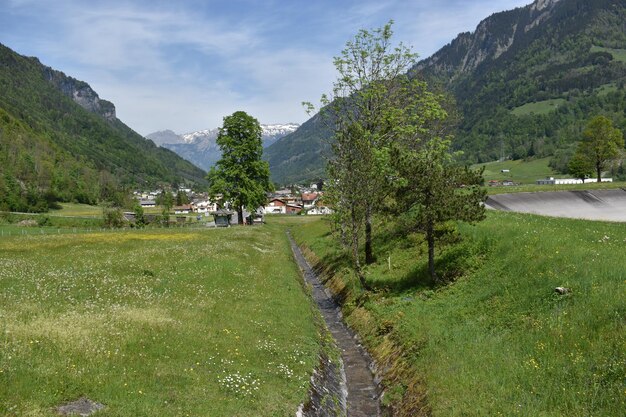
column 184, row 65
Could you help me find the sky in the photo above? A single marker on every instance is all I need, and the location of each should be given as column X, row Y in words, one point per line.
column 184, row 65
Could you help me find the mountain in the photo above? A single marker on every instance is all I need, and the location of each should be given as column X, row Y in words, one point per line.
column 164, row 136
column 299, row 156
column 60, row 142
column 200, row 147
column 525, row 82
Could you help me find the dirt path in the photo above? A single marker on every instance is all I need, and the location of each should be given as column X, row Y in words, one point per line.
column 362, row 398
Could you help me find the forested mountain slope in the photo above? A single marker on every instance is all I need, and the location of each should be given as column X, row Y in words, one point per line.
column 525, row 81
column 60, row 142
column 300, row 155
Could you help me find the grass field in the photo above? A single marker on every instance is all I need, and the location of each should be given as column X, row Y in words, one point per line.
column 618, row 54
column 520, row 171
column 162, row 322
column 77, row 210
column 498, row 340
column 525, row 173
column 607, row 88
column 539, row 107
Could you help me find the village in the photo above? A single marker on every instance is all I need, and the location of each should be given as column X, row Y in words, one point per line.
column 295, row 200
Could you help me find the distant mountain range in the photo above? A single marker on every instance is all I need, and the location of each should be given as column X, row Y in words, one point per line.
column 525, row 82
column 200, row 147
column 60, row 142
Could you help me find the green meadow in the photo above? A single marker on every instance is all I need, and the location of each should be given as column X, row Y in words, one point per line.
column 496, row 339
column 525, row 173
column 156, row 322
column 520, row 171
column 539, row 107
column 618, row 54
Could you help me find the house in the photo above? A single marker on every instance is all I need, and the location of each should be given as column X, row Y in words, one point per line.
column 147, row 203
column 320, row 210
column 309, row 199
column 280, row 206
column 184, row 209
column 293, row 209
column 560, row 181
column 204, row 206
column 276, row 206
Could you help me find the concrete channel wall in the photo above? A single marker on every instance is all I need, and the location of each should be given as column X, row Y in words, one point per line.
column 609, row 205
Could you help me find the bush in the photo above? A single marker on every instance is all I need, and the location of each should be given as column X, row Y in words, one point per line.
column 113, row 217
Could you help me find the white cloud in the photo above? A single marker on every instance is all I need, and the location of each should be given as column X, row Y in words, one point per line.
column 185, row 66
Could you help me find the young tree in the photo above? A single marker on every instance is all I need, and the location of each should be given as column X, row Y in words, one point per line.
column 433, row 190
column 140, row 218
column 241, row 176
column 601, row 144
column 166, row 201
column 181, row 198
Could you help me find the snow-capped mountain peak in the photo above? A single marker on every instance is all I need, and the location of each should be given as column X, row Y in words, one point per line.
column 200, row 148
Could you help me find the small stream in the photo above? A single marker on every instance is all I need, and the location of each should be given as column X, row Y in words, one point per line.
column 350, row 387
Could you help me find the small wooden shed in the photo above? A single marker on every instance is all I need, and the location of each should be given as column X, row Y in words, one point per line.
column 222, row 217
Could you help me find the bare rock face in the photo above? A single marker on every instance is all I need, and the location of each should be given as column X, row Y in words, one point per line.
column 542, row 4
column 493, row 36
column 81, row 93
column 82, row 407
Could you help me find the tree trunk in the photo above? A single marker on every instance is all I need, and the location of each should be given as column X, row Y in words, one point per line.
column 430, row 238
column 240, row 215
column 369, row 256
column 355, row 250
column 599, row 172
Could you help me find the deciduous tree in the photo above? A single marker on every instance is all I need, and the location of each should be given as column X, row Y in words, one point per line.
column 601, row 144
column 241, row 176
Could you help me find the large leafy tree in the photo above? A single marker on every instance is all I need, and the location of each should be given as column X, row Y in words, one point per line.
column 601, row 144
column 240, row 176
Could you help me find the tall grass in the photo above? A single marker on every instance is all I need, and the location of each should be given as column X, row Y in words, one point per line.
column 498, row 340
column 163, row 323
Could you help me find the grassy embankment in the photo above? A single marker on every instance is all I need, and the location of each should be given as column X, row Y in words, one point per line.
column 161, row 322
column 498, row 340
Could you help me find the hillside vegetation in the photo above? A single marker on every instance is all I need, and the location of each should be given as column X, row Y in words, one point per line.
column 525, row 82
column 537, row 77
column 53, row 149
column 496, row 339
column 163, row 323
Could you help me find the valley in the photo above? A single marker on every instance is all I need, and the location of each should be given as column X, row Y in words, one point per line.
column 443, row 236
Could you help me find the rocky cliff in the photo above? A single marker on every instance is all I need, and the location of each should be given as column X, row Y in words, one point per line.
column 493, row 36
column 81, row 93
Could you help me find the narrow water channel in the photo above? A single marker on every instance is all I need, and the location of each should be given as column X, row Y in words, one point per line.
column 362, row 397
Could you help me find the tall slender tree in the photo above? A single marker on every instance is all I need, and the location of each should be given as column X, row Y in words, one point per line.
column 240, row 176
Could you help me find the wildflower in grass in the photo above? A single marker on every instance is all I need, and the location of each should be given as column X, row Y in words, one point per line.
column 532, row 363
column 239, row 384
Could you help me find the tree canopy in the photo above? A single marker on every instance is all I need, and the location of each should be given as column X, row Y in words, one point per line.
column 241, row 177
column 601, row 144
column 386, row 123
